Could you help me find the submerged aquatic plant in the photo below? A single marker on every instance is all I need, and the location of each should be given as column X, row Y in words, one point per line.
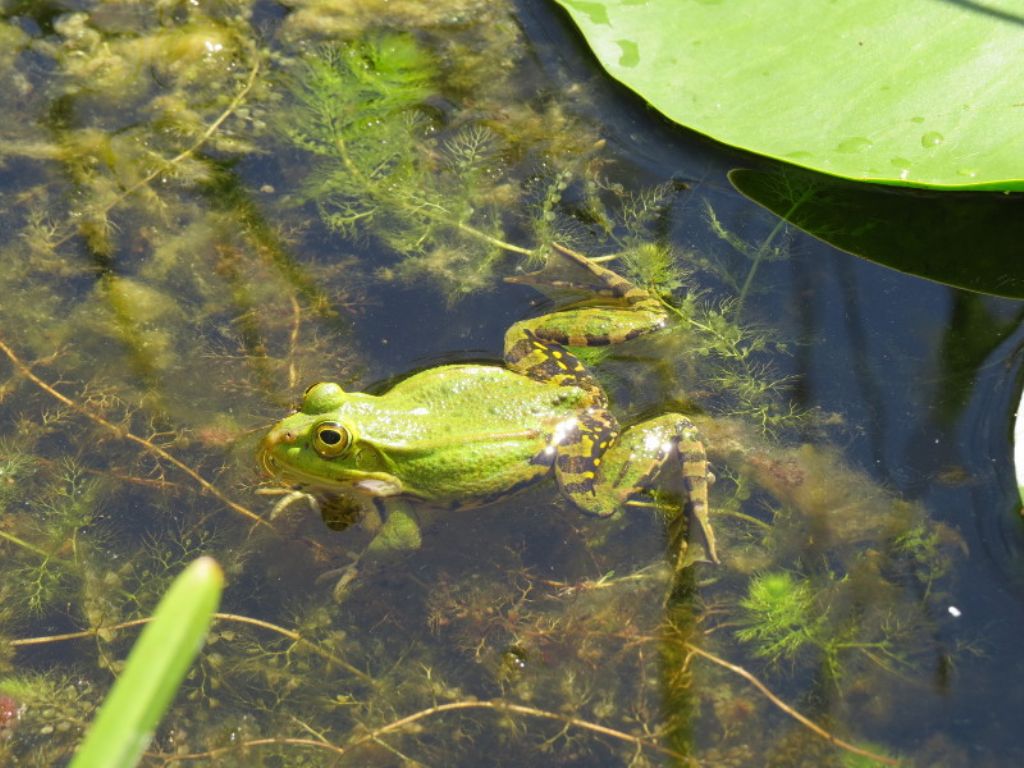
column 383, row 168
column 786, row 619
column 781, row 616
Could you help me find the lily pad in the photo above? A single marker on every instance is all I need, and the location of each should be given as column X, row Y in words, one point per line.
column 916, row 93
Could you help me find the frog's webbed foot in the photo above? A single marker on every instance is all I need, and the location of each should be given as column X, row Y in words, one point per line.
column 345, row 576
column 570, row 271
column 692, row 463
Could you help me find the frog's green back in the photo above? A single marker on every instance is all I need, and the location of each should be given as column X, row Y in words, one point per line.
column 463, row 433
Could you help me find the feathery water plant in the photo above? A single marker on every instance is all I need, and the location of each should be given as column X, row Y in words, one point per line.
column 780, row 616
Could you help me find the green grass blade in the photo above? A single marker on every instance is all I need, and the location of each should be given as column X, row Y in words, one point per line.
column 156, row 666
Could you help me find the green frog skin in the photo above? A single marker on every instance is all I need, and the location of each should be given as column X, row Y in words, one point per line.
column 466, row 435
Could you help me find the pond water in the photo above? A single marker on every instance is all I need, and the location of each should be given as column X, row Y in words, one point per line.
column 208, row 207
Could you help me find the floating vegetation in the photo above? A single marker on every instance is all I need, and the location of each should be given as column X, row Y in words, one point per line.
column 204, row 213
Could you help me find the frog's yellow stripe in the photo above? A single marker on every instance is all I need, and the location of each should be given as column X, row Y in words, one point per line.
column 579, row 455
column 546, row 361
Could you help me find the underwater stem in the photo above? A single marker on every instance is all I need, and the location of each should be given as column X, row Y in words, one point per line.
column 290, row 634
column 494, row 241
column 293, row 635
column 24, row 544
column 741, row 516
column 782, row 222
column 806, row 722
column 156, row 450
column 497, row 705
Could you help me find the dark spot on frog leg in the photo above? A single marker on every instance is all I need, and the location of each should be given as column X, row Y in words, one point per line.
column 552, row 335
column 576, row 464
column 586, row 485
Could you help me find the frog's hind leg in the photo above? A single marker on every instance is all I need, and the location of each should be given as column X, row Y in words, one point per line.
column 537, row 347
column 541, row 360
column 658, row 459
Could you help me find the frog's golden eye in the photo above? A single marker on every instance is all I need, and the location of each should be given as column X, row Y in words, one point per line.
column 330, row 439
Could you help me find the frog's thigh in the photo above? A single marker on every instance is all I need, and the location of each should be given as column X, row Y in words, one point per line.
column 587, row 327
column 665, row 452
column 579, row 463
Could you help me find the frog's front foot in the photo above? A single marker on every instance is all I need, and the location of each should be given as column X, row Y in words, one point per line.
column 345, row 575
column 289, row 498
column 399, row 532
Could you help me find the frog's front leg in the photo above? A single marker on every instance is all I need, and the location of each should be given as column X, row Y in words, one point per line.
column 653, row 462
column 395, row 527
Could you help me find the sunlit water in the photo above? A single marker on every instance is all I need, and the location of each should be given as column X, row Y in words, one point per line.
column 203, row 308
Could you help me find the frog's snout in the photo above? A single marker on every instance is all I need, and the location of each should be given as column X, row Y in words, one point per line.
column 277, row 436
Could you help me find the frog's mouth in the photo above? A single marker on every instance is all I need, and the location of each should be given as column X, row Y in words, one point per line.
column 365, row 483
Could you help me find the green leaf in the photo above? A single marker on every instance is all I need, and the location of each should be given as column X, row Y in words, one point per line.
column 915, row 93
column 154, row 670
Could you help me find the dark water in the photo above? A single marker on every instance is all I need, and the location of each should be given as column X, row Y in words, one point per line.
column 192, row 304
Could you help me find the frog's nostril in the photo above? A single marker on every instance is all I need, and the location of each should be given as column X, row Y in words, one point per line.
column 279, row 436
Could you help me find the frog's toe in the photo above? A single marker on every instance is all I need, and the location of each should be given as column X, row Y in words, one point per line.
column 290, row 499
column 346, row 576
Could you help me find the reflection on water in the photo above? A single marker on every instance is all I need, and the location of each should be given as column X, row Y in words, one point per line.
column 205, row 211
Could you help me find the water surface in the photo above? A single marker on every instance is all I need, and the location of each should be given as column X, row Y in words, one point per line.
column 183, row 254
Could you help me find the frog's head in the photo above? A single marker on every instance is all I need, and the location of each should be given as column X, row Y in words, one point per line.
column 318, row 448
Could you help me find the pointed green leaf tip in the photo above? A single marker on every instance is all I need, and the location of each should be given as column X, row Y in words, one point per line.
column 916, row 93
column 155, row 668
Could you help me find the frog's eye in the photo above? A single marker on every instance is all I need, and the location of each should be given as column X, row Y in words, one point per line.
column 314, row 384
column 330, row 439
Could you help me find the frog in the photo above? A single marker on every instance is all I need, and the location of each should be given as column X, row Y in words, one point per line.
column 463, row 435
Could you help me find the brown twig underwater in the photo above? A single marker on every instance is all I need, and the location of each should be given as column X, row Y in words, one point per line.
column 499, row 705
column 124, row 434
column 802, row 719
column 230, row 617
column 496, row 705
column 293, row 341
